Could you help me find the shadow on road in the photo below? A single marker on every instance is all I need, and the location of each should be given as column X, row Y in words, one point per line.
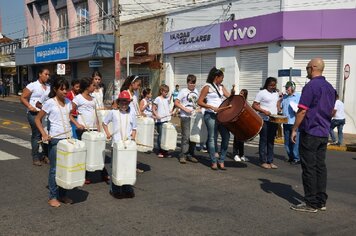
column 281, row 190
column 78, row 195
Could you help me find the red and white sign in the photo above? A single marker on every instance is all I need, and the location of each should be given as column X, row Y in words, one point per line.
column 61, row 69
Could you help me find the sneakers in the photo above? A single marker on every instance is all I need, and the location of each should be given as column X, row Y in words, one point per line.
column 237, row 158
column 192, row 159
column 295, row 162
column 304, row 208
column 182, row 160
column 243, row 158
column 322, row 208
column 160, row 155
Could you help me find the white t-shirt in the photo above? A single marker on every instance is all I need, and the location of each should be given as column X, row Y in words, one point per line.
column 267, row 100
column 134, row 106
column 188, row 99
column 123, row 122
column 58, row 117
column 340, row 112
column 98, row 98
column 213, row 98
column 162, row 109
column 37, row 91
column 86, row 110
column 148, row 109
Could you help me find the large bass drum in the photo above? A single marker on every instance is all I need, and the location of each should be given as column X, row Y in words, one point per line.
column 239, row 118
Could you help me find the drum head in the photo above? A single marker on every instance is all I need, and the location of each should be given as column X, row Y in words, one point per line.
column 237, row 103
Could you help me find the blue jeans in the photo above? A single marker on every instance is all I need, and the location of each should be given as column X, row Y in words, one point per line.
column 213, row 129
column 35, row 136
column 159, row 126
column 55, row 191
column 292, row 149
column 266, row 143
column 339, row 124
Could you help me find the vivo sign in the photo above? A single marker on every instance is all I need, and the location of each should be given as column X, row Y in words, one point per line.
column 240, row 33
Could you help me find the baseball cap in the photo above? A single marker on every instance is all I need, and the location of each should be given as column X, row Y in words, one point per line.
column 124, row 95
column 290, row 84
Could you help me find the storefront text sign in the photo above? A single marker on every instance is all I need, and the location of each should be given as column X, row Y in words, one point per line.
column 52, row 52
column 192, row 39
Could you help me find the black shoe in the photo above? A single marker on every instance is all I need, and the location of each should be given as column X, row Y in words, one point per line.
column 304, row 208
column 295, row 162
column 117, row 195
column 129, row 195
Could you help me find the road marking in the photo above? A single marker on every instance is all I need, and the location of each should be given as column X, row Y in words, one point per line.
column 6, row 156
column 17, row 141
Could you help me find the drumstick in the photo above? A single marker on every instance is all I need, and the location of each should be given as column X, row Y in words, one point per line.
column 224, row 108
column 42, row 141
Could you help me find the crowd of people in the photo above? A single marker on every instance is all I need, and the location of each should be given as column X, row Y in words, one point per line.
column 71, row 112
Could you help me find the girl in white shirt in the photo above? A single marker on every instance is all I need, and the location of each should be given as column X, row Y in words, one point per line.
column 132, row 85
column 30, row 95
column 265, row 104
column 162, row 114
column 211, row 96
column 57, row 108
column 84, row 103
column 124, row 122
column 98, row 93
column 146, row 102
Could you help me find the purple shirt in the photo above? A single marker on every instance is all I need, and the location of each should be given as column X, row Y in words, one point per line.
column 318, row 99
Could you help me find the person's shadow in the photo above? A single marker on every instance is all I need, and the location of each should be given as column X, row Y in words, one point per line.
column 281, row 190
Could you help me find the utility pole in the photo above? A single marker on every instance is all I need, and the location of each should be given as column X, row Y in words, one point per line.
column 117, row 57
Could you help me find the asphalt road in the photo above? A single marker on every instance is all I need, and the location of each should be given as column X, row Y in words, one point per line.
column 171, row 199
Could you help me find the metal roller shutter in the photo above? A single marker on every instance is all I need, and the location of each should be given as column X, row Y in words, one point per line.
column 253, row 70
column 198, row 65
column 331, row 56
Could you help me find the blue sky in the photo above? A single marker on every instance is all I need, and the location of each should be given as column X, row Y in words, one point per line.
column 13, row 18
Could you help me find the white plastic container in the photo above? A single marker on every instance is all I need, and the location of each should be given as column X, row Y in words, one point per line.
column 95, row 143
column 169, row 137
column 124, row 163
column 101, row 114
column 198, row 130
column 70, row 165
column 145, row 134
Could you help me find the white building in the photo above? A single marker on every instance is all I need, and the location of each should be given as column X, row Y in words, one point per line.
column 252, row 40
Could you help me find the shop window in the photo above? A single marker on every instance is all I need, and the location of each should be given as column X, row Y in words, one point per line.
column 82, row 18
column 105, row 19
column 62, row 24
column 46, row 28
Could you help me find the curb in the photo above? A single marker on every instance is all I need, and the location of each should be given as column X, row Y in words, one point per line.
column 343, row 148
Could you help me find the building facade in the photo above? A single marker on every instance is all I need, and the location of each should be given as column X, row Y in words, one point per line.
column 276, row 35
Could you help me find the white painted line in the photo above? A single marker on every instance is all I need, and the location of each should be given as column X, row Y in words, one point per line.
column 6, row 156
column 17, row 141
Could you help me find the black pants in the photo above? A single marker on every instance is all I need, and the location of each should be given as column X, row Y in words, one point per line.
column 312, row 151
column 238, row 148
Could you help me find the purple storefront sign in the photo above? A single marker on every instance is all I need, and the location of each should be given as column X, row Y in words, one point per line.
column 254, row 30
column 193, row 39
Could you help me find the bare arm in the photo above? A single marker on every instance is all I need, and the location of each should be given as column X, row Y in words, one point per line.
column 154, row 111
column 107, row 132
column 38, row 122
column 298, row 120
column 72, row 119
column 225, row 92
column 180, row 106
column 25, row 96
column 257, row 107
column 133, row 134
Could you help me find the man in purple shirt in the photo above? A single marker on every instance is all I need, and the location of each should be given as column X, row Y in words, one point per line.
column 313, row 120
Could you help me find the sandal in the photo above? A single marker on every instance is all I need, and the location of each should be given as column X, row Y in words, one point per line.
column 222, row 166
column 54, row 203
column 214, row 166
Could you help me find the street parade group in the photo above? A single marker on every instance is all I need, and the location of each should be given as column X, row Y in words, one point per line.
column 72, row 124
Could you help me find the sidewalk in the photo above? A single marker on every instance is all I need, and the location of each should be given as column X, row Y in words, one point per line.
column 349, row 139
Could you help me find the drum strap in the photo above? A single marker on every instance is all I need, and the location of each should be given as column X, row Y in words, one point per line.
column 122, row 126
column 216, row 89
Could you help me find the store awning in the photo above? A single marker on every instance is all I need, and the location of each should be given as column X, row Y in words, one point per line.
column 138, row 60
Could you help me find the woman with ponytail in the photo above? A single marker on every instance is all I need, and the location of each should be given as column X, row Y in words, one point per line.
column 211, row 96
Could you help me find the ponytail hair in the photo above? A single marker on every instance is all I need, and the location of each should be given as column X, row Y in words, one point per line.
column 145, row 92
column 128, row 81
column 58, row 83
column 214, row 73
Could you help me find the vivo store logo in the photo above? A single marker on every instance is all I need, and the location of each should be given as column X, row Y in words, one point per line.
column 240, row 33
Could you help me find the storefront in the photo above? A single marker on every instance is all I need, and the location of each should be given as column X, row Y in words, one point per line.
column 251, row 49
column 77, row 54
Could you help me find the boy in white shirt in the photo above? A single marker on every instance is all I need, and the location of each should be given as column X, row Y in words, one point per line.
column 124, row 121
column 337, row 121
